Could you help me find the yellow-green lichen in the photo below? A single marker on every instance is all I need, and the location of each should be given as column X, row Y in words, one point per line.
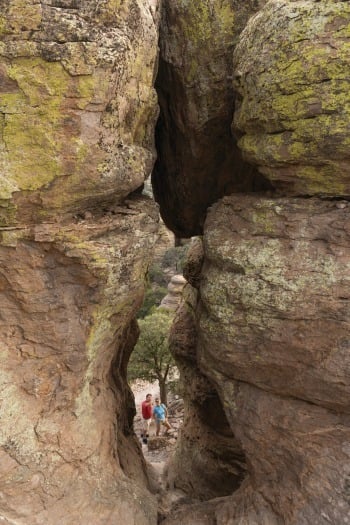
column 7, row 209
column 87, row 85
column 113, row 5
column 32, row 136
column 3, row 25
column 39, row 148
column 23, row 15
column 263, row 218
column 295, row 109
column 204, row 22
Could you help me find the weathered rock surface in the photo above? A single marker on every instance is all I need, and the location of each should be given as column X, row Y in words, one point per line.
column 208, row 461
column 263, row 347
column 77, row 114
column 273, row 327
column 198, row 160
column 173, row 298
column 77, row 104
column 272, row 314
column 294, row 110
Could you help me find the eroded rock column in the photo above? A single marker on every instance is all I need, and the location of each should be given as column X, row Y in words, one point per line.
column 77, row 115
column 274, row 327
column 272, row 313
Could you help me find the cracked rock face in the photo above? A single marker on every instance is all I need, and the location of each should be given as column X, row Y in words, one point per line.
column 77, row 115
column 272, row 312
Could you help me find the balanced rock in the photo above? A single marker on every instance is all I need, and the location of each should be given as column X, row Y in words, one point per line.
column 173, row 298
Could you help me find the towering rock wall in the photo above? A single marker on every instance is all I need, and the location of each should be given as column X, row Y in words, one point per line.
column 269, row 328
column 77, row 116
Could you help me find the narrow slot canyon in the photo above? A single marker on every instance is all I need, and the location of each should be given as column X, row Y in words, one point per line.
column 238, row 113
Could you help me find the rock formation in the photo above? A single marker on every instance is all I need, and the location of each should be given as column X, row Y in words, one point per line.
column 77, row 116
column 253, row 153
column 274, row 325
column 173, row 298
column 197, row 101
column 268, row 327
column 292, row 105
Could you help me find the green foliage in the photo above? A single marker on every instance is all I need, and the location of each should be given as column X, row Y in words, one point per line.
column 175, row 257
column 153, row 298
column 151, row 359
column 156, row 276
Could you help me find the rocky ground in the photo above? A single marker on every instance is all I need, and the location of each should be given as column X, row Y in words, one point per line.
column 159, row 450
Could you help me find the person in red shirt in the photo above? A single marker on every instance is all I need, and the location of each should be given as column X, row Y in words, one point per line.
column 147, row 413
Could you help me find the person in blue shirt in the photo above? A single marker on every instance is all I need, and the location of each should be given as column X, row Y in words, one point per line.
column 160, row 414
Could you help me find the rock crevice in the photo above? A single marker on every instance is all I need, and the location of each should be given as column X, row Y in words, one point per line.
column 253, row 155
column 270, row 314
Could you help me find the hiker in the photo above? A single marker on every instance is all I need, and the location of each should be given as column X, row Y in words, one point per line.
column 160, row 413
column 146, row 409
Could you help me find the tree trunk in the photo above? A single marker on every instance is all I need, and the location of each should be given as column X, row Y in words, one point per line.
column 163, row 391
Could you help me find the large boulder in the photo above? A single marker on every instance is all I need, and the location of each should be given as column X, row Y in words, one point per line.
column 77, row 104
column 292, row 107
column 273, row 338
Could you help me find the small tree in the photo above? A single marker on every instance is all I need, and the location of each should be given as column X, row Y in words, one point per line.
column 151, row 359
column 153, row 297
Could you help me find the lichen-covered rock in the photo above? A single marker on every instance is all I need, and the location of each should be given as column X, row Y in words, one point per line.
column 198, row 159
column 77, row 114
column 273, row 329
column 77, row 104
column 294, row 84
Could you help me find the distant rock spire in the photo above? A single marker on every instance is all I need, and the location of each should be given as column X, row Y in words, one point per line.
column 173, row 298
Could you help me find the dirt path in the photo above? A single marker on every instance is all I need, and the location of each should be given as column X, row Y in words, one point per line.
column 159, row 450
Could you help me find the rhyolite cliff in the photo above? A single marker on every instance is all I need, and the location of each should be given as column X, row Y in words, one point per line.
column 253, row 155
